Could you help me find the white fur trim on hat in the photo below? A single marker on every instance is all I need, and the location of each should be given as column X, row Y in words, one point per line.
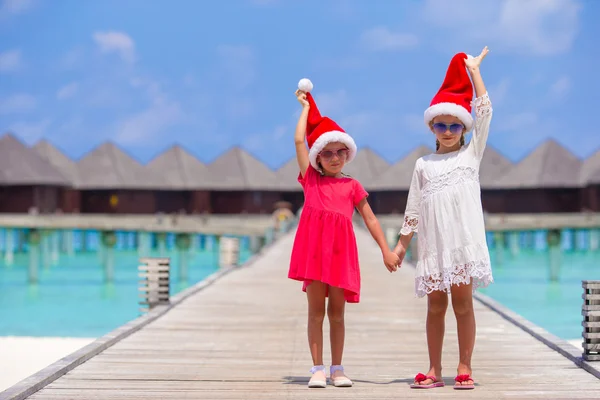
column 449, row 109
column 331, row 137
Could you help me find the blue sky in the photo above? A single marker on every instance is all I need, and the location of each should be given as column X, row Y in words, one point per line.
column 213, row 74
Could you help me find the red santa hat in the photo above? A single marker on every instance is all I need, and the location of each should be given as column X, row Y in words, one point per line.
column 320, row 131
column 456, row 94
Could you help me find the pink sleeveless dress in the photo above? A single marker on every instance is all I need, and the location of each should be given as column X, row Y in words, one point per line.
column 325, row 246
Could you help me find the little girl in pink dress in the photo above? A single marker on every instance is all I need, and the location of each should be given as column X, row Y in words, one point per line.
column 325, row 255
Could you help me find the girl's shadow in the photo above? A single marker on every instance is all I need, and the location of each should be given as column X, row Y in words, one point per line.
column 303, row 381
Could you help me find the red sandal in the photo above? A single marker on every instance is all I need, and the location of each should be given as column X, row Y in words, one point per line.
column 464, row 378
column 421, row 377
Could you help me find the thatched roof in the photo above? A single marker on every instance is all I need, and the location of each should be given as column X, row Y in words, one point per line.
column 21, row 165
column 399, row 175
column 590, row 169
column 366, row 167
column 238, row 170
column 287, row 176
column 109, row 167
column 64, row 164
column 493, row 166
column 548, row 166
column 180, row 170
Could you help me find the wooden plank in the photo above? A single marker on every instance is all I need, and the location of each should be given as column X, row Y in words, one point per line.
column 590, row 284
column 245, row 337
column 591, row 324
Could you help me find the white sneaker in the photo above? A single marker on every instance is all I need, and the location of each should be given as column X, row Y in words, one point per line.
column 339, row 379
column 318, row 379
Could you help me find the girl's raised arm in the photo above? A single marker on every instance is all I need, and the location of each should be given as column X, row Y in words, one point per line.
column 300, row 136
column 482, row 103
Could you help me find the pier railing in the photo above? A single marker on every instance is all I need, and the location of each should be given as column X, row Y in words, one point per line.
column 591, row 320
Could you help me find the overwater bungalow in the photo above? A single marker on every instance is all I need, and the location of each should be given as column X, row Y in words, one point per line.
column 187, row 182
column 545, row 181
column 28, row 182
column 108, row 180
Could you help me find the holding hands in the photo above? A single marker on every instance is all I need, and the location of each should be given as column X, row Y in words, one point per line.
column 391, row 261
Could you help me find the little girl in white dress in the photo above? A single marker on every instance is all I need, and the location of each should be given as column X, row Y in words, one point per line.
column 444, row 207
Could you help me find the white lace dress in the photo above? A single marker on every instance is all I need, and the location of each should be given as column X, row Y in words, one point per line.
column 444, row 208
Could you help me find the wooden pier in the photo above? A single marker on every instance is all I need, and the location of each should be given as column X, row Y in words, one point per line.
column 244, row 337
column 206, row 224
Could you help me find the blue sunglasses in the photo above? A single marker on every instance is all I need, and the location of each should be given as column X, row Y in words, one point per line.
column 454, row 129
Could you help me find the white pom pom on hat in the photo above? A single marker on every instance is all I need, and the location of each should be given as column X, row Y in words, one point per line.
column 305, row 85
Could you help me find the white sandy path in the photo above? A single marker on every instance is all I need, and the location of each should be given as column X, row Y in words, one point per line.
column 21, row 357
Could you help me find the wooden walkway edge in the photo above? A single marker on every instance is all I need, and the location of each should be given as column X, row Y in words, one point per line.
column 245, row 338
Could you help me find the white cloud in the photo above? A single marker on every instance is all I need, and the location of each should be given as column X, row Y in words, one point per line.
column 516, row 122
column 538, row 27
column 238, row 63
column 71, row 59
column 10, row 61
column 67, row 91
column 17, row 104
column 31, row 132
column 561, row 87
column 341, row 62
column 15, row 7
column 362, row 124
column 278, row 141
column 240, row 108
column 332, row 103
column 143, row 127
column 412, row 124
column 499, row 91
column 281, row 131
column 382, row 39
column 116, row 42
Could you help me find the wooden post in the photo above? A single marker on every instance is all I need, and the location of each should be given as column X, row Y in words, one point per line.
column 594, row 239
column 183, row 242
column 54, row 246
column 109, row 241
column 161, row 239
column 229, row 251
column 591, row 320
column 553, row 239
column 514, row 243
column 255, row 244
column 154, row 285
column 499, row 247
column 34, row 238
column 9, row 243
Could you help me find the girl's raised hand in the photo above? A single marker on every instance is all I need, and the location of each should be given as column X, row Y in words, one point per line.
column 301, row 96
column 475, row 62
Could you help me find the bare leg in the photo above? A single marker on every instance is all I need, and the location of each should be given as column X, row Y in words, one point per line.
column 335, row 312
column 437, row 304
column 462, row 302
column 315, row 293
